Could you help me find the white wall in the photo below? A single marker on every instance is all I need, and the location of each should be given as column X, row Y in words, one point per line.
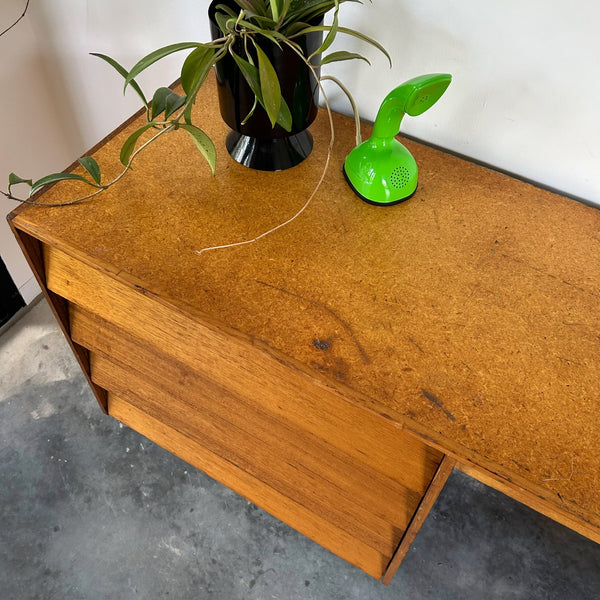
column 524, row 96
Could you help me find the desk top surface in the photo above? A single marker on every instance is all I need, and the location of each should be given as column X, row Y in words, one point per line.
column 469, row 313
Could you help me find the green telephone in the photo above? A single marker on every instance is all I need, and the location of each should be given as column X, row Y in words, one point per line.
column 381, row 170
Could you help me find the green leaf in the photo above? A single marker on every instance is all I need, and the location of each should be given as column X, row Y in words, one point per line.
column 367, row 39
column 159, row 101
column 264, row 23
column 295, row 28
column 279, row 10
column 203, row 143
column 285, row 9
column 91, row 166
column 151, row 58
column 196, row 68
column 250, row 73
column 129, row 144
column 269, row 86
column 122, row 71
column 253, row 7
column 222, row 19
column 225, row 9
column 275, row 10
column 166, row 100
column 285, row 116
column 15, row 179
column 174, row 102
column 330, row 37
column 342, row 55
column 307, row 10
column 345, row 30
column 48, row 179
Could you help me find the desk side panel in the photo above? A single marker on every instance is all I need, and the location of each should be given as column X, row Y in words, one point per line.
column 32, row 249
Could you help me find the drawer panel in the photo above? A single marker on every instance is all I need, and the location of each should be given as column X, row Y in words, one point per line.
column 271, row 462
column 354, row 497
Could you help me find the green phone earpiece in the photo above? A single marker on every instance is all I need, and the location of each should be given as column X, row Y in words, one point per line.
column 381, row 170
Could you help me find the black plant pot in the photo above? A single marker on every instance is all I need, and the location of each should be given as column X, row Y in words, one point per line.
column 255, row 143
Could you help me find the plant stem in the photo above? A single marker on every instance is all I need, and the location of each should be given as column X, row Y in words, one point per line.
column 352, row 104
column 274, row 229
column 22, row 15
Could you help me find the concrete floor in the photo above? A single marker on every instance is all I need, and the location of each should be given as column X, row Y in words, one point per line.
column 89, row 509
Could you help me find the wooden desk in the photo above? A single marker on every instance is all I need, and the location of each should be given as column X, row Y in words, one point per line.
column 335, row 371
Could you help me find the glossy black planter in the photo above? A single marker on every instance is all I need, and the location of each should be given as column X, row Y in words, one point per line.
column 255, row 143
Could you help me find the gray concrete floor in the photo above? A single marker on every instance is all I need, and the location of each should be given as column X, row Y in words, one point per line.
column 89, row 509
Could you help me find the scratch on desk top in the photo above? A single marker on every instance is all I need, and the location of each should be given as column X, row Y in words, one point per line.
column 435, row 400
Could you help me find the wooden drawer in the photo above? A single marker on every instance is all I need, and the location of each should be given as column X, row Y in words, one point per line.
column 342, row 475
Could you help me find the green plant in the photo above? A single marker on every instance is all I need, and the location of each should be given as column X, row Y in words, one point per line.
column 254, row 23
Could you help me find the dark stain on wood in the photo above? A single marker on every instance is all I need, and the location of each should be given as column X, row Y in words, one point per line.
column 435, row 400
column 345, row 325
column 322, row 344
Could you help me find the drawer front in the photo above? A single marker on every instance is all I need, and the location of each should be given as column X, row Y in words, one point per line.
column 290, row 434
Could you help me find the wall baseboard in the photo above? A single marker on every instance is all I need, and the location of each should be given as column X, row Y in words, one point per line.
column 20, row 313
